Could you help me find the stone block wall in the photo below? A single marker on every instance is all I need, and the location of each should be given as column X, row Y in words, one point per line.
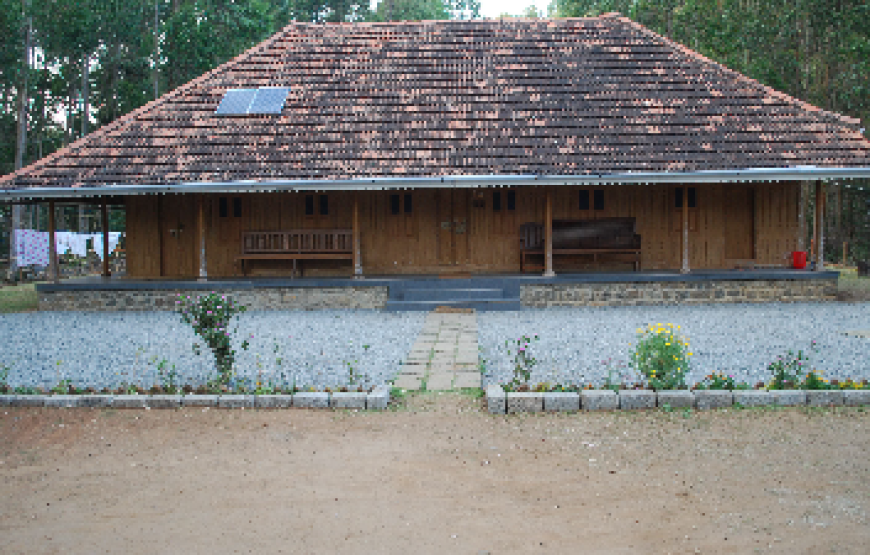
column 265, row 298
column 677, row 292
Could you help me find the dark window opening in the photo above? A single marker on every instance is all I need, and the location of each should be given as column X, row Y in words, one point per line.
column 309, row 205
column 223, row 209
column 678, row 198
column 512, row 200
column 407, row 203
column 598, row 199
column 584, row 199
column 324, row 205
column 394, row 204
column 237, row 207
column 496, row 201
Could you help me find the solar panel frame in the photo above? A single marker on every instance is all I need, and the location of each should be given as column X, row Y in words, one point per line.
column 269, row 100
column 236, row 102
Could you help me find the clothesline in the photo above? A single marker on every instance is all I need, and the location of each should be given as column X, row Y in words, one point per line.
column 31, row 246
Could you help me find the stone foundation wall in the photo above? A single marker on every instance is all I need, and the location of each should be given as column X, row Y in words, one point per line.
column 677, row 292
column 272, row 298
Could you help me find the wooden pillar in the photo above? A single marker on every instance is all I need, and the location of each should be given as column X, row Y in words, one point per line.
column 104, row 218
column 200, row 232
column 52, row 246
column 548, row 235
column 357, row 255
column 685, row 267
column 818, row 226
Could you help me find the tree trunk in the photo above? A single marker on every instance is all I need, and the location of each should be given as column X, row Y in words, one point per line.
column 86, row 107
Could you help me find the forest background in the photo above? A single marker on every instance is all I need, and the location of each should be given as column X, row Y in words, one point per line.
column 68, row 67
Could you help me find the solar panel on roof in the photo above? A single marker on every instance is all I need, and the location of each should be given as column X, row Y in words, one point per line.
column 236, row 102
column 269, row 100
column 266, row 100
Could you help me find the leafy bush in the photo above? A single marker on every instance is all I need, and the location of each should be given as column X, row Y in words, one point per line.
column 661, row 357
column 523, row 363
column 210, row 317
column 789, row 370
column 719, row 381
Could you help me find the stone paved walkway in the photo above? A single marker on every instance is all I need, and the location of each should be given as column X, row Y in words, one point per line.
column 444, row 355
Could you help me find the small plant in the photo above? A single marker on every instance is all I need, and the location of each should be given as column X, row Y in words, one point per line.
column 609, row 382
column 814, row 381
column 4, row 375
column 661, row 357
column 788, row 371
column 720, row 381
column 210, row 317
column 167, row 376
column 63, row 387
column 523, row 363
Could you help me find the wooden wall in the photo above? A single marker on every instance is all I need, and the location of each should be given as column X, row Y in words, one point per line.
column 450, row 231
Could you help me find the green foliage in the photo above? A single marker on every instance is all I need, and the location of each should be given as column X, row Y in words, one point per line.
column 815, row 381
column 719, row 381
column 788, row 370
column 167, row 376
column 661, row 357
column 523, row 362
column 210, row 317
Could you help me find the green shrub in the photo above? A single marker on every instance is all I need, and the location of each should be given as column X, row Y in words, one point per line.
column 661, row 357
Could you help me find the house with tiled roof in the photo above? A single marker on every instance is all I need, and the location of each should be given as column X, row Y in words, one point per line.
column 432, row 147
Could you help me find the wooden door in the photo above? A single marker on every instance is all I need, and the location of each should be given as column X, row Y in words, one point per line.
column 178, row 235
column 739, row 222
column 453, row 227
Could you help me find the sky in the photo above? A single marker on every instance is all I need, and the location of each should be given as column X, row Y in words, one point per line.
column 492, row 8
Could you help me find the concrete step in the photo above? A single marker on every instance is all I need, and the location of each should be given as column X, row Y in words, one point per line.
column 452, row 294
column 477, row 304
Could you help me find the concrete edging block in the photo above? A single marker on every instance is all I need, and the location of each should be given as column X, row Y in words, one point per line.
column 61, row 401
column 598, row 399
column 164, row 401
column 713, row 399
column 95, row 401
column 273, row 401
column 311, row 400
column 236, row 401
column 631, row 399
column 675, row 398
column 824, row 398
column 6, row 400
column 856, row 397
column 561, row 401
column 753, row 398
column 130, row 401
column 347, row 400
column 379, row 398
column 200, row 400
column 525, row 401
column 789, row 397
column 496, row 400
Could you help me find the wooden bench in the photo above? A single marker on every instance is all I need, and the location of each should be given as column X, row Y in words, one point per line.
column 296, row 244
column 572, row 237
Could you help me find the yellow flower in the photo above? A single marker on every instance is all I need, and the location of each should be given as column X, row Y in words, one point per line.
column 690, row 354
column 668, row 344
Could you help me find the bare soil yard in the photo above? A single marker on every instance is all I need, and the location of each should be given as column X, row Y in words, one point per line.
column 437, row 475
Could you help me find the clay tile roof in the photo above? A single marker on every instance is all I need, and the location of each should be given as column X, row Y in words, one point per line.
column 437, row 98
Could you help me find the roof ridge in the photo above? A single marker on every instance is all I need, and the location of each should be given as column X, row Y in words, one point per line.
column 851, row 122
column 145, row 108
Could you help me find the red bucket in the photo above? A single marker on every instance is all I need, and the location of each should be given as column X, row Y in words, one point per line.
column 799, row 259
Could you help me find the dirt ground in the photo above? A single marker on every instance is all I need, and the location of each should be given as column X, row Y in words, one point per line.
column 437, row 475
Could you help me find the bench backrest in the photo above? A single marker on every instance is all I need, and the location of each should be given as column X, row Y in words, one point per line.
column 603, row 233
column 297, row 240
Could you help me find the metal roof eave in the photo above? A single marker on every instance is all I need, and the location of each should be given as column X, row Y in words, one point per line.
column 797, row 173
